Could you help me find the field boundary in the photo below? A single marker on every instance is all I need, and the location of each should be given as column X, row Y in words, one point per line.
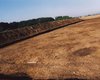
column 14, row 36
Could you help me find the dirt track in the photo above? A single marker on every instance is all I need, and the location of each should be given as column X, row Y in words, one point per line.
column 69, row 52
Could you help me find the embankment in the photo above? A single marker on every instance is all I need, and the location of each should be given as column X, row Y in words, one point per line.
column 12, row 36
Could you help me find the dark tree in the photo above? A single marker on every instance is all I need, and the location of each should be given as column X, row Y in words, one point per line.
column 62, row 17
column 4, row 26
column 58, row 18
column 48, row 19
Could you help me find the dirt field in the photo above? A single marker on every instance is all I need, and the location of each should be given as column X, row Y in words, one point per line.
column 90, row 17
column 69, row 52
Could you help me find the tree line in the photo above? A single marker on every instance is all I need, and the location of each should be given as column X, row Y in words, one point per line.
column 14, row 25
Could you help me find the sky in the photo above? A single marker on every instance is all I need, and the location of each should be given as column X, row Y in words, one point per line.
column 18, row 10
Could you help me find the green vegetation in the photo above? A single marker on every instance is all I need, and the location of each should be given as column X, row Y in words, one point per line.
column 62, row 17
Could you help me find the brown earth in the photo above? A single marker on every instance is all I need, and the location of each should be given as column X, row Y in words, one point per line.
column 66, row 53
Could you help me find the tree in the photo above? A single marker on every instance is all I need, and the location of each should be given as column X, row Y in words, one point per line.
column 4, row 26
column 58, row 18
column 67, row 17
column 45, row 19
column 62, row 17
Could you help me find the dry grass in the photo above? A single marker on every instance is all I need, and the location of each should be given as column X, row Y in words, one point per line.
column 90, row 17
column 69, row 52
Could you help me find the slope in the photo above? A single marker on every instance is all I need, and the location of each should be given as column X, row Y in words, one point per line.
column 69, row 52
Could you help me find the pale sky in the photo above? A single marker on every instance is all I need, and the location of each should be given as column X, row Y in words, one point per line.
column 17, row 10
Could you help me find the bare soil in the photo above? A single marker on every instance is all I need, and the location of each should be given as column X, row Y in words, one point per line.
column 66, row 53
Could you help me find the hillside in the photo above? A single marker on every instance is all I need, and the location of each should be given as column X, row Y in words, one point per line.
column 69, row 52
column 15, row 35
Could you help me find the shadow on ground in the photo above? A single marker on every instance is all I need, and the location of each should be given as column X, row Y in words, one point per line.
column 24, row 76
column 17, row 76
